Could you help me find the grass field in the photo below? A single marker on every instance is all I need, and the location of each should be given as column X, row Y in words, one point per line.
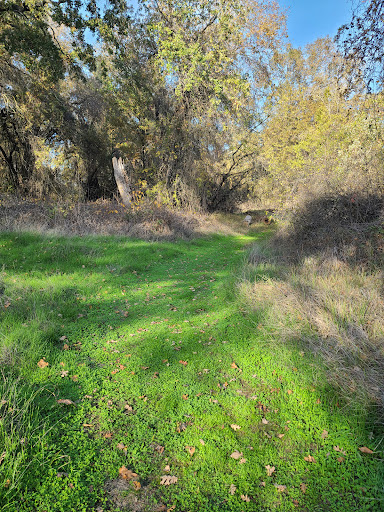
column 134, row 378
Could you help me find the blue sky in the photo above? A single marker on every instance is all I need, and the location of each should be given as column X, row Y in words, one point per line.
column 310, row 19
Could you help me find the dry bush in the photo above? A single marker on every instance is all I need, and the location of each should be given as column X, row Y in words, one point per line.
column 348, row 227
column 319, row 282
column 102, row 217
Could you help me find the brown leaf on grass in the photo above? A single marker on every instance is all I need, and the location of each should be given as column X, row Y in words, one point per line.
column 75, row 378
column 136, row 485
column 126, row 474
column 65, row 347
column 122, row 447
column 281, row 488
column 264, row 421
column 262, row 484
column 127, row 407
column 324, row 434
column 309, row 458
column 244, row 497
column 232, row 489
column 280, row 436
column 338, row 449
column 171, row 509
column 303, row 488
column 236, row 455
column 88, row 425
column 201, row 442
column 42, row 363
column 242, row 461
column 185, row 397
column 167, row 468
column 191, row 450
column 65, row 401
column 168, row 480
column 234, row 365
column 340, row 459
column 235, row 427
column 159, row 448
column 184, row 363
column 364, row 449
column 270, row 469
column 108, row 435
column 64, row 373
column 289, row 391
column 63, row 338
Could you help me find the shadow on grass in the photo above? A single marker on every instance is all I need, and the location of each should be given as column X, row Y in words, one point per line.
column 160, row 356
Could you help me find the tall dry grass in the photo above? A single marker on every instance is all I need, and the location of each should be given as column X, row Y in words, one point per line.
column 320, row 284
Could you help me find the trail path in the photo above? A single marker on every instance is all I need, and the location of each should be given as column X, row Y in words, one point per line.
column 166, row 393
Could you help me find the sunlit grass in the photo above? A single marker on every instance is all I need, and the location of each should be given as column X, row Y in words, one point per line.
column 158, row 354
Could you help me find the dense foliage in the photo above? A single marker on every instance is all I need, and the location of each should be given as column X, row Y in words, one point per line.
column 205, row 101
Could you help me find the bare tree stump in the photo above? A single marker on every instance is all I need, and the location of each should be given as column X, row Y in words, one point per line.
column 122, row 181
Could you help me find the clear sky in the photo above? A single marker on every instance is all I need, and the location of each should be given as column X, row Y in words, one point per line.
column 310, row 19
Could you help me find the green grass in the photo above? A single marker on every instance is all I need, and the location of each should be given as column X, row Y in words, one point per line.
column 115, row 318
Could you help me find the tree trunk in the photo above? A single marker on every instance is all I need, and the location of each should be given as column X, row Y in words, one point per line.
column 122, row 181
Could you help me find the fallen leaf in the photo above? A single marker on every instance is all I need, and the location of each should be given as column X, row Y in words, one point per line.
column 295, row 502
column 232, row 489
column 184, row 363
column 280, row 488
column 191, row 450
column 42, row 363
column 202, row 442
column 235, row 427
column 364, row 449
column 264, row 421
column 262, row 484
column 234, row 365
column 245, row 498
column 168, row 480
column 62, row 338
column 88, row 425
column 324, row 434
column 236, row 455
column 126, row 474
column 121, row 446
column 65, row 347
column 340, row 459
column 309, row 458
column 159, row 448
column 167, row 468
column 289, row 391
column 242, row 461
column 171, row 508
column 136, row 485
column 280, row 436
column 64, row 373
column 65, row 401
column 127, row 407
column 270, row 469
column 338, row 449
column 75, row 378
column 303, row 488
column 185, row 397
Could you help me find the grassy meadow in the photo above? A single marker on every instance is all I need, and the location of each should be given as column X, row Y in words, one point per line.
column 135, row 376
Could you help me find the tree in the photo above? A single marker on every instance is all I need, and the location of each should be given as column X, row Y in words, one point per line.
column 362, row 40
